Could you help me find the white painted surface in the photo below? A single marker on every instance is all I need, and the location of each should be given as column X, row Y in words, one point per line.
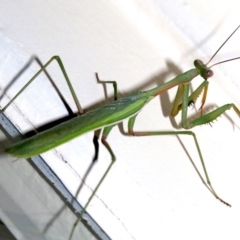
column 152, row 191
column 29, row 205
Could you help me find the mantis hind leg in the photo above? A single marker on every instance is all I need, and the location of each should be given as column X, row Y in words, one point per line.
column 106, row 131
column 97, row 132
column 207, row 183
column 43, row 69
column 114, row 83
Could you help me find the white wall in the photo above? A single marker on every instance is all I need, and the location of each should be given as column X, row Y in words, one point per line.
column 152, row 191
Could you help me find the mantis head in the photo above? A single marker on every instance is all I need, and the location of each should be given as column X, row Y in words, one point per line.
column 204, row 71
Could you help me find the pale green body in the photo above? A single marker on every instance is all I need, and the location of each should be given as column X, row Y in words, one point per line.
column 109, row 115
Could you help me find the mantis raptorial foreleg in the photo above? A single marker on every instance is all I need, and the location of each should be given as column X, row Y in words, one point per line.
column 203, row 119
column 203, row 87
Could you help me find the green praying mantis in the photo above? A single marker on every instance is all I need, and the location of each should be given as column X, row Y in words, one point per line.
column 128, row 107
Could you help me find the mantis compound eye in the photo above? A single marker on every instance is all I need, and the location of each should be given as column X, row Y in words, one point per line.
column 209, row 73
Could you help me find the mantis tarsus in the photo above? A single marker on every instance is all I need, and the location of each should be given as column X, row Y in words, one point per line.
column 111, row 114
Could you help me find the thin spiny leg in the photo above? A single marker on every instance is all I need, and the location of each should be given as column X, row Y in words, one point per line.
column 57, row 58
column 97, row 132
column 48, row 125
column 114, row 83
column 106, row 131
